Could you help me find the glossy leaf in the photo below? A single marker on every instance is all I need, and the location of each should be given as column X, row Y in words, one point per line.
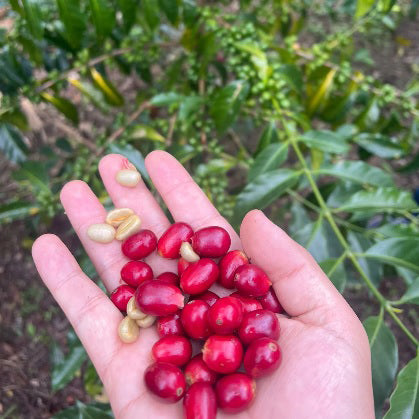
column 35, row 173
column 103, row 17
column 140, row 131
column 358, row 171
column 411, row 295
column 324, row 140
column 16, row 210
column 363, row 7
column 112, row 96
column 384, row 359
column 74, row 21
column 170, row 9
column 269, row 159
column 63, row 105
column 396, row 251
column 225, row 104
column 90, row 92
column 12, row 144
column 379, row 145
column 398, row 230
column 151, row 13
column 165, row 99
column 129, row 10
column 322, row 92
column 86, row 411
column 379, row 199
column 33, row 16
column 133, row 155
column 263, row 190
column 269, row 136
column 404, row 402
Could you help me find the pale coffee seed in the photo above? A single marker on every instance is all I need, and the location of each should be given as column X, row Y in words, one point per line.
column 101, row 233
column 129, row 227
column 129, row 178
column 133, row 311
column 188, row 253
column 128, row 330
column 118, row 215
column 146, row 321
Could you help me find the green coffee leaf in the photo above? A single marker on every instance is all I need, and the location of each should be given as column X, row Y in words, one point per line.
column 142, row 131
column 411, row 295
column 16, row 210
column 110, row 92
column 226, row 102
column 103, row 17
column 299, row 219
column 379, row 199
column 63, row 105
column 12, row 144
column 86, row 411
column 165, row 99
column 358, row 171
column 269, row 136
column 325, row 140
column 33, row 15
column 151, row 13
column 170, row 9
column 129, row 10
column 401, row 252
column 74, row 21
column 188, row 106
column 380, row 145
column 35, row 174
column 269, row 159
column 384, row 359
column 258, row 58
column 263, row 190
column 398, row 230
column 335, row 271
column 363, row 7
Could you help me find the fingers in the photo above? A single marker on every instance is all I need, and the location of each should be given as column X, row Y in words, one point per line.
column 83, row 209
column 184, row 198
column 301, row 286
column 94, row 318
column 139, row 199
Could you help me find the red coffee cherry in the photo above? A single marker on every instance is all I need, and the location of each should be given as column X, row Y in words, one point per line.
column 176, row 350
column 249, row 304
column 165, row 381
column 194, row 317
column 199, row 277
column 136, row 272
column 262, row 357
column 200, row 402
column 211, row 242
column 169, row 243
column 169, row 278
column 182, row 265
column 139, row 245
column 197, row 371
column 251, row 281
column 258, row 324
column 225, row 316
column 228, row 265
column 208, row 296
column 158, row 298
column 270, row 302
column 235, row 392
column 170, row 325
column 121, row 295
column 223, row 354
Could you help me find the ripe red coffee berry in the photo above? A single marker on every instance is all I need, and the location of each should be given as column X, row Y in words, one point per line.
column 169, row 243
column 158, row 298
column 259, row 324
column 208, row 296
column 249, row 304
column 200, row 402
column 235, row 392
column 121, row 295
column 182, row 265
column 270, row 302
column 211, row 242
column 176, row 350
column 194, row 317
column 170, row 325
column 136, row 272
column 197, row 371
column 225, row 316
column 169, row 278
column 262, row 357
column 228, row 265
column 139, row 245
column 251, row 281
column 223, row 354
column 199, row 277
column 165, row 381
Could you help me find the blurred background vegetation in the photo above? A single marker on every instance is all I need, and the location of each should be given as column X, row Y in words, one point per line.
column 306, row 109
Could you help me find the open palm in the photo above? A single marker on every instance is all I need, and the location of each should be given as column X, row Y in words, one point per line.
column 325, row 371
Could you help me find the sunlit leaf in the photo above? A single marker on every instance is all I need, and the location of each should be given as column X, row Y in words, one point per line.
column 322, row 92
column 324, row 140
column 363, row 7
column 112, row 96
column 63, row 105
column 140, row 131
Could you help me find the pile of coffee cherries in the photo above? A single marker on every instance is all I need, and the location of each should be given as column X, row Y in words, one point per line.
column 236, row 335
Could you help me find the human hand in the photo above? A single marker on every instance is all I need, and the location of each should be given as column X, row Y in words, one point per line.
column 325, row 370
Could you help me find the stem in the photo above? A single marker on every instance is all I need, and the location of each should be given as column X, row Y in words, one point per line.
column 339, row 260
column 327, row 214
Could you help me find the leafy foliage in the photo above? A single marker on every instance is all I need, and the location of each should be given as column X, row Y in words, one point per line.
column 262, row 118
